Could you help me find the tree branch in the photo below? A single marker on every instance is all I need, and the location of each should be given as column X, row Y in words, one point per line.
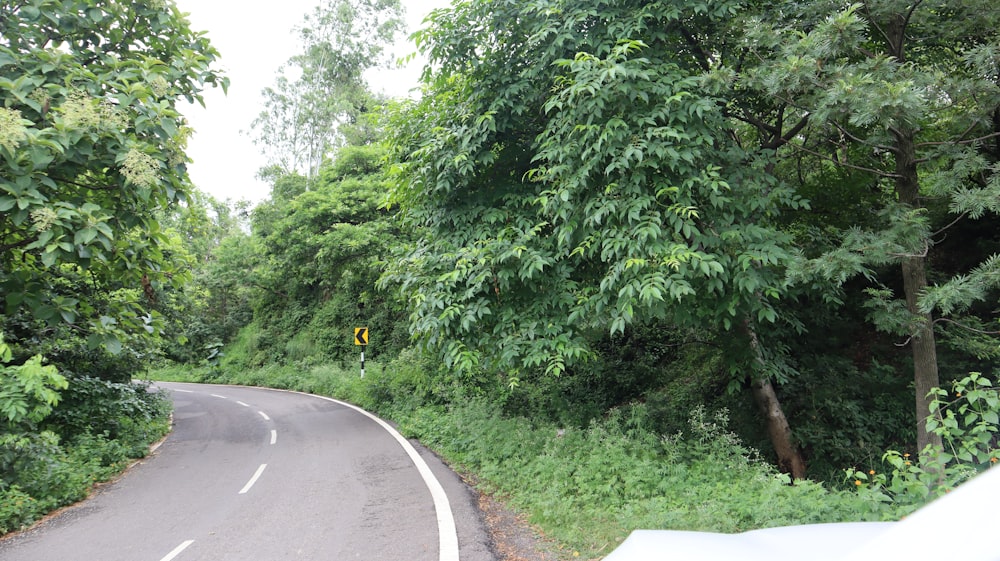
column 796, row 129
column 966, row 327
column 960, row 142
column 7, row 247
column 878, row 172
column 909, row 14
column 871, row 20
column 924, row 253
column 858, row 140
column 953, row 222
column 759, row 124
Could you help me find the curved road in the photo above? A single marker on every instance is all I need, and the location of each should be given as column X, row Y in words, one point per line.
column 256, row 474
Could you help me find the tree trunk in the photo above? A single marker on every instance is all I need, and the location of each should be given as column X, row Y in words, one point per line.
column 789, row 456
column 923, row 346
column 922, row 343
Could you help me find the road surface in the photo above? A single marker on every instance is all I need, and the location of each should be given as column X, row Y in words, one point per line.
column 256, row 474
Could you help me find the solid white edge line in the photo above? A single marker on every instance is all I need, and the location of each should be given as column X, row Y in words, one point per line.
column 263, row 414
column 274, row 436
column 253, row 479
column 447, row 534
column 177, row 550
column 243, row 404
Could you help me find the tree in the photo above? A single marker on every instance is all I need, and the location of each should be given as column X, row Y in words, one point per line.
column 323, row 87
column 909, row 94
column 574, row 178
column 93, row 149
column 308, row 267
column 211, row 308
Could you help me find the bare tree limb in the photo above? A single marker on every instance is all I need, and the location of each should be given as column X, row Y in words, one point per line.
column 966, row 327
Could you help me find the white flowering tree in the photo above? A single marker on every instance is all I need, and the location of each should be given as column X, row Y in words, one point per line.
column 92, row 150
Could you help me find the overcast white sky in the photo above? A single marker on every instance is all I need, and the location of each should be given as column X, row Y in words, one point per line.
column 254, row 37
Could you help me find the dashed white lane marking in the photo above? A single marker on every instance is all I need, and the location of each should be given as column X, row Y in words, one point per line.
column 447, row 533
column 177, row 550
column 218, row 396
column 243, row 404
column 183, row 391
column 253, row 479
column 274, row 436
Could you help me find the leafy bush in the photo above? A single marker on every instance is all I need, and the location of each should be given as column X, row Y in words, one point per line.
column 28, row 391
column 968, row 420
column 17, row 509
column 54, row 446
column 93, row 405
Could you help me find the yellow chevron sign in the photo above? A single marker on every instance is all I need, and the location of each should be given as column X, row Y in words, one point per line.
column 360, row 335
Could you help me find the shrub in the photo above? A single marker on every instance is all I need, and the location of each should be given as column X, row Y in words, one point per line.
column 93, row 405
column 968, row 420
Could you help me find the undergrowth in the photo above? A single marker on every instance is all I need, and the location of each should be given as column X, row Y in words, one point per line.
column 588, row 488
column 42, row 471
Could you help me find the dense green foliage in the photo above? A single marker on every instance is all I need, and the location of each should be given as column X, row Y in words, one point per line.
column 581, row 167
column 309, row 266
column 573, row 182
column 93, row 148
column 598, row 222
column 608, row 203
column 59, row 436
column 92, row 167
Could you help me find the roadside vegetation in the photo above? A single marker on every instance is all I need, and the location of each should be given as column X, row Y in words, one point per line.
column 690, row 265
column 61, row 435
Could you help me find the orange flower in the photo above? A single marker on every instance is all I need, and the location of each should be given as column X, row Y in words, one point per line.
column 871, row 472
column 993, row 460
column 857, row 482
column 907, row 455
column 908, row 462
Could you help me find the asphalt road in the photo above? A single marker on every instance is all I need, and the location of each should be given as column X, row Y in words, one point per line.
column 255, row 474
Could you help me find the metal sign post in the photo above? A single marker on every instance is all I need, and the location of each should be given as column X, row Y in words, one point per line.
column 361, row 339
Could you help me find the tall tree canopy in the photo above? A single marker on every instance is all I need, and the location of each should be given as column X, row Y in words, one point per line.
column 92, row 146
column 904, row 94
column 574, row 178
column 580, row 166
column 323, row 87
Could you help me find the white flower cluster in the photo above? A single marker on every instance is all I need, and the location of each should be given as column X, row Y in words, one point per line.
column 43, row 218
column 140, row 168
column 159, row 86
column 12, row 130
column 80, row 110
